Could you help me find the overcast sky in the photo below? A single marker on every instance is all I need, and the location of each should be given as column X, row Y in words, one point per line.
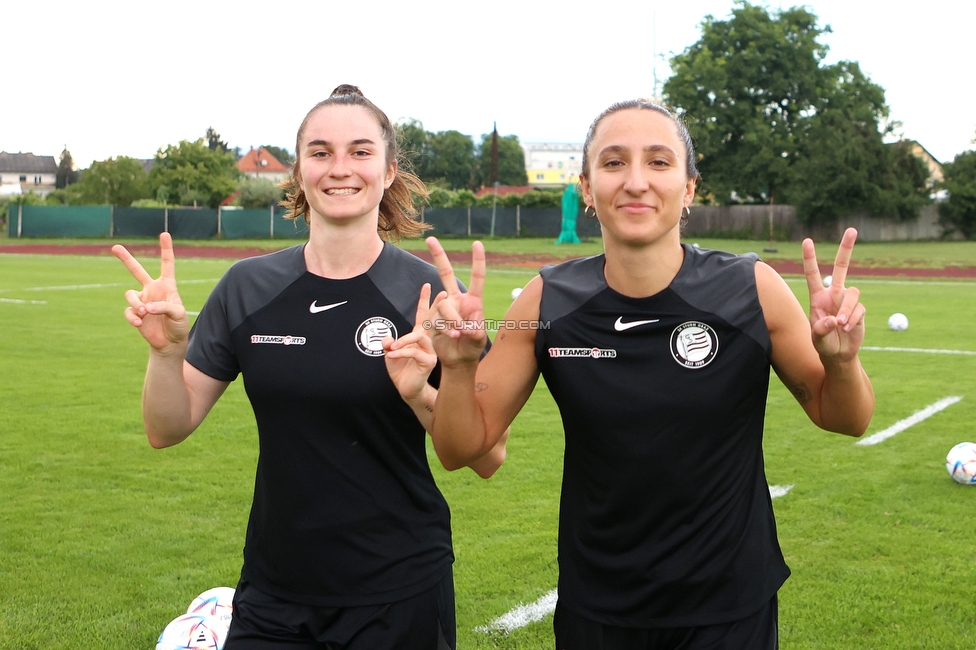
column 112, row 78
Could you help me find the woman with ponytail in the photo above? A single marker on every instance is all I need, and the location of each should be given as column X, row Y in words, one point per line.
column 348, row 543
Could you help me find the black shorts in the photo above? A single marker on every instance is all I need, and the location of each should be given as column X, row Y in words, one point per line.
column 264, row 622
column 759, row 631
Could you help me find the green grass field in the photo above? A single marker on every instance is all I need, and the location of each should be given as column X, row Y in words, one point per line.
column 104, row 540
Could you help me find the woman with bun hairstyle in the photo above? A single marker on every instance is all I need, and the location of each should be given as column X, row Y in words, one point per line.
column 657, row 354
column 348, row 543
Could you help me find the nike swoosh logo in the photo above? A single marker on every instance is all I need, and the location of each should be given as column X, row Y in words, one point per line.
column 621, row 326
column 314, row 309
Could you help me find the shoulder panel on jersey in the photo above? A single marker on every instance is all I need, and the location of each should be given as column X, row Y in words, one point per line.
column 566, row 286
column 254, row 282
column 724, row 284
column 399, row 275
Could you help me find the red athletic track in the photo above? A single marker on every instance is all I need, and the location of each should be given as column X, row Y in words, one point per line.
column 532, row 261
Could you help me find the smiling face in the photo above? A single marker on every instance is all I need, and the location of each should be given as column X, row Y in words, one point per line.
column 637, row 178
column 343, row 166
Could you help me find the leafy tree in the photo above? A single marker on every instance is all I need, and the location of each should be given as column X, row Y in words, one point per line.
column 281, row 155
column 958, row 213
column 116, row 181
column 66, row 171
column 414, row 144
column 452, row 160
column 192, row 172
column 511, row 161
column 843, row 164
column 259, row 193
column 214, row 143
column 772, row 124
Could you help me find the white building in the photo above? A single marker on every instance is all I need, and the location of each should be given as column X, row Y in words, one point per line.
column 21, row 173
column 553, row 164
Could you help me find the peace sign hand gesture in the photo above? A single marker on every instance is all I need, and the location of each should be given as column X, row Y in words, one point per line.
column 457, row 318
column 410, row 358
column 836, row 315
column 157, row 310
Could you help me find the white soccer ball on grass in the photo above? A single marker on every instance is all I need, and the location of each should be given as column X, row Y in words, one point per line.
column 192, row 632
column 216, row 603
column 961, row 463
column 898, row 322
column 516, row 292
column 828, row 280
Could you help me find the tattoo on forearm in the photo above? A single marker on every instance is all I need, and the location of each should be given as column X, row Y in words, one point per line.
column 801, row 393
column 480, row 386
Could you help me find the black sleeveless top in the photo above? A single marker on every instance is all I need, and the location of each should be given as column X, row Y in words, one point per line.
column 665, row 515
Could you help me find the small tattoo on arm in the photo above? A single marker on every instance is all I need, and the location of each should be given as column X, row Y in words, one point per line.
column 480, row 386
column 429, row 410
column 801, row 393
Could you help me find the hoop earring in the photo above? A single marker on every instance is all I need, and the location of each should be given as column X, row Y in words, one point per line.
column 589, row 212
column 685, row 213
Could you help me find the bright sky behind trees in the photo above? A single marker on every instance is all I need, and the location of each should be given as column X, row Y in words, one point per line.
column 112, row 78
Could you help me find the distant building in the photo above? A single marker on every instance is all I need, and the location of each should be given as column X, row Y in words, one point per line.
column 258, row 163
column 551, row 164
column 934, row 166
column 21, row 173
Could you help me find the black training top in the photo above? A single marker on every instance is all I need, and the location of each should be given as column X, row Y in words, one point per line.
column 345, row 509
column 665, row 518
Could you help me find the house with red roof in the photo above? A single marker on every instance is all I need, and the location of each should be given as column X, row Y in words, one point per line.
column 258, row 163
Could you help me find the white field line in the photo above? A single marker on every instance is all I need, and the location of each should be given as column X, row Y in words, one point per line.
column 776, row 491
column 23, row 302
column 862, row 280
column 925, row 350
column 75, row 287
column 522, row 615
column 913, row 419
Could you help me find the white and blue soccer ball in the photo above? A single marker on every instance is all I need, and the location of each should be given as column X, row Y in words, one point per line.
column 216, row 603
column 193, row 632
column 961, row 463
column 898, row 322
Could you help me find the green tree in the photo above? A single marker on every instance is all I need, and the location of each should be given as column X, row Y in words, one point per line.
column 958, row 213
column 116, row 181
column 745, row 89
column 414, row 145
column 214, row 143
column 843, row 164
column 66, row 171
column 511, row 161
column 772, row 124
column 259, row 193
column 191, row 172
column 452, row 160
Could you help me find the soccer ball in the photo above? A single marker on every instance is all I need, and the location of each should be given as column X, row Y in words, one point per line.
column 217, row 603
column 961, row 463
column 898, row 322
column 192, row 632
column 516, row 292
column 827, row 280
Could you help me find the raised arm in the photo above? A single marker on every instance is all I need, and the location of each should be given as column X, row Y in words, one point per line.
column 176, row 397
column 477, row 402
column 816, row 357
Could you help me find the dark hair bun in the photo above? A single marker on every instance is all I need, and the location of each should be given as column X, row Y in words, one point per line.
column 346, row 89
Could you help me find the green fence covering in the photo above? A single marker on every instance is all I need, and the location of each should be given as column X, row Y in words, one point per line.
column 192, row 223
column 61, row 221
column 138, row 222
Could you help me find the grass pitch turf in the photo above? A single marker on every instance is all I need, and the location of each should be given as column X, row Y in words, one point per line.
column 104, row 540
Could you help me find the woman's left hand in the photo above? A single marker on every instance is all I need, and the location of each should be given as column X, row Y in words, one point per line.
column 836, row 314
column 411, row 358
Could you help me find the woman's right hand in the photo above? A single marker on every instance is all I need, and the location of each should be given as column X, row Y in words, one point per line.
column 457, row 318
column 157, row 310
